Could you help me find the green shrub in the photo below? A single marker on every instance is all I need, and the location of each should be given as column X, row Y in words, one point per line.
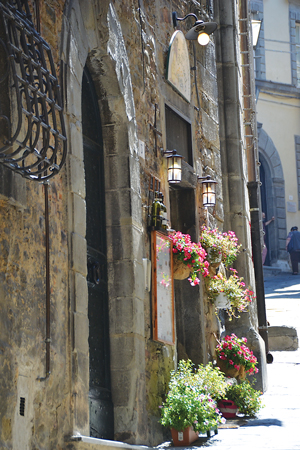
column 246, row 398
column 188, row 402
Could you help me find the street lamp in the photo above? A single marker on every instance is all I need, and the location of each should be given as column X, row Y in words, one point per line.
column 200, row 31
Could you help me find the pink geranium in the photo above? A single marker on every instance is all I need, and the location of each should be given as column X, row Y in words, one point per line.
column 192, row 255
column 233, row 351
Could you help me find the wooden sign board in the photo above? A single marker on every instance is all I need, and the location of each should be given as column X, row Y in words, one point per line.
column 178, row 65
column 162, row 288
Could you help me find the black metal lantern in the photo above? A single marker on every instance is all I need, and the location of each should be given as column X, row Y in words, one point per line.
column 208, row 191
column 174, row 165
column 200, row 31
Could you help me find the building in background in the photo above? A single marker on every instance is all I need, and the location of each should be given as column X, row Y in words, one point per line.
column 277, row 72
column 79, row 352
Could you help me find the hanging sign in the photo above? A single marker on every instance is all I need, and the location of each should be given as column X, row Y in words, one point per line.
column 178, row 65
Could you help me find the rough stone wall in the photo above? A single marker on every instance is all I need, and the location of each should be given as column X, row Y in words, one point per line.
column 80, row 33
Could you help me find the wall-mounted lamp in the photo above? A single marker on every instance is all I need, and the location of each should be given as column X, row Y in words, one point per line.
column 208, row 191
column 200, row 31
column 174, row 165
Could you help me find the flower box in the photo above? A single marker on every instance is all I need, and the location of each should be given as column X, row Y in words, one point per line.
column 228, row 408
column 185, row 437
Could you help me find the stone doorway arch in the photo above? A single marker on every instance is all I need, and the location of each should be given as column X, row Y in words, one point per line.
column 272, row 196
column 92, row 36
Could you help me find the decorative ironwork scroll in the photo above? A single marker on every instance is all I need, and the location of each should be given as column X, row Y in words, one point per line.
column 32, row 130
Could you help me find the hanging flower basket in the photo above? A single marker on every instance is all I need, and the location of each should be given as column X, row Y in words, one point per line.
column 180, row 270
column 214, row 258
column 230, row 372
column 222, row 301
column 185, row 437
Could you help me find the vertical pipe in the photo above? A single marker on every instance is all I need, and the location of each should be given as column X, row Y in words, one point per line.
column 47, row 237
column 253, row 186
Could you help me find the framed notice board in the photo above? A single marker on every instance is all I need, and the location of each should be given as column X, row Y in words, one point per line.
column 162, row 288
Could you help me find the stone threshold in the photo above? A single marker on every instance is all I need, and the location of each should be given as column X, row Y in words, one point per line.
column 90, row 443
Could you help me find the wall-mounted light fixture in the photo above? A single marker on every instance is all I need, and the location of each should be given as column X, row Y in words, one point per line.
column 174, row 165
column 208, row 191
column 200, row 31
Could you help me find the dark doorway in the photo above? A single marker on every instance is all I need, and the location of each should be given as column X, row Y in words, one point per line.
column 101, row 407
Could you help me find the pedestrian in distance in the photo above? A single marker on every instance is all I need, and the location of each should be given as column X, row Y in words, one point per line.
column 265, row 224
column 293, row 247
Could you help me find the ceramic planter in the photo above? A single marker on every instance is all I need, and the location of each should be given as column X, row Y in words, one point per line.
column 222, row 301
column 185, row 437
column 180, row 270
column 228, row 408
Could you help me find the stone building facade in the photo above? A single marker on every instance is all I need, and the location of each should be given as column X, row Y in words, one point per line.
column 100, row 358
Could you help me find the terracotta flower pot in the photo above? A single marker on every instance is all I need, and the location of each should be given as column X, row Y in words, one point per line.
column 180, row 270
column 185, row 437
column 228, row 408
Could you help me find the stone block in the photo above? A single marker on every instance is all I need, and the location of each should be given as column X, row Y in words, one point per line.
column 81, row 293
column 77, row 176
column 79, row 258
column 74, row 96
column 210, row 129
column 79, row 215
column 118, row 205
column 81, row 332
column 126, row 315
column 127, row 352
column 76, row 142
column 121, row 278
column 117, row 176
column 283, row 338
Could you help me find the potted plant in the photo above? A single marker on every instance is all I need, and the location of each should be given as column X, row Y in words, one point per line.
column 221, row 247
column 245, row 397
column 189, row 408
column 234, row 358
column 233, row 288
column 188, row 256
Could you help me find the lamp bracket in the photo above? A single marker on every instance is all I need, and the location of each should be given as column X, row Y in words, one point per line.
column 175, row 18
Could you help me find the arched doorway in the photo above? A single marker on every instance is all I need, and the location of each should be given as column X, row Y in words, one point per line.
column 272, row 197
column 101, row 407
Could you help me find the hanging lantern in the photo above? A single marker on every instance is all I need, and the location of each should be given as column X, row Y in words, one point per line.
column 208, row 191
column 174, row 166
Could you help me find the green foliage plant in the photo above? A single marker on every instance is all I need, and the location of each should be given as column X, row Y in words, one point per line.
column 234, row 288
column 220, row 244
column 247, row 399
column 213, row 380
column 188, row 402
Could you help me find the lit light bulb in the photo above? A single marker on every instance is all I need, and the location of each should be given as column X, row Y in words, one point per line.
column 203, row 39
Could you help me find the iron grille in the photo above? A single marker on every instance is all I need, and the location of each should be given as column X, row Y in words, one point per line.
column 33, row 138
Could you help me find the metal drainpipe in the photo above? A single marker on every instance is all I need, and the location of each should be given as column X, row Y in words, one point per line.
column 47, row 244
column 253, row 183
